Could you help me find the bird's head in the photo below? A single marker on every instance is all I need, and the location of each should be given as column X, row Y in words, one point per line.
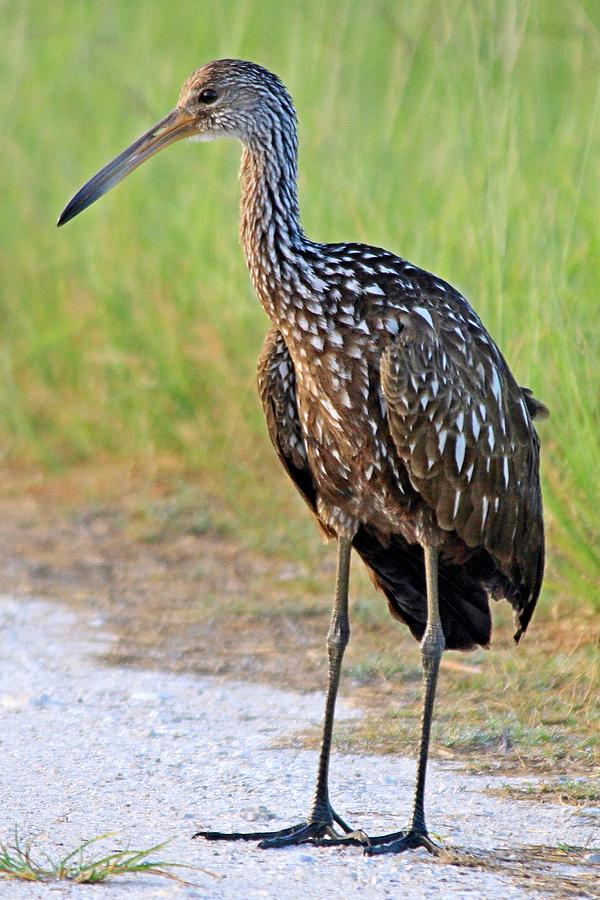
column 224, row 98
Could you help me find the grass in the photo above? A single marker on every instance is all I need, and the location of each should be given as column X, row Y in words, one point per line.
column 184, row 595
column 18, row 862
column 462, row 134
column 529, row 710
column 579, row 792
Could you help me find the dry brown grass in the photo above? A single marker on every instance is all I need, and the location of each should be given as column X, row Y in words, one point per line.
column 182, row 592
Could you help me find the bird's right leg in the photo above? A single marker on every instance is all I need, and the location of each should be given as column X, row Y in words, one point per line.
column 320, row 824
column 432, row 647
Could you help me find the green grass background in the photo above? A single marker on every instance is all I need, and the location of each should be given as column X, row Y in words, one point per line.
column 463, row 135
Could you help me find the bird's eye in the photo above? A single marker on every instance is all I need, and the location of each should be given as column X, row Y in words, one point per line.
column 208, row 95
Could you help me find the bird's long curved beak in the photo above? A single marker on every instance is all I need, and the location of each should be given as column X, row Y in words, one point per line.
column 176, row 125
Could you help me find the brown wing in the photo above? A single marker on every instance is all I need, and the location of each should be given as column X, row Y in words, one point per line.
column 277, row 391
column 464, row 429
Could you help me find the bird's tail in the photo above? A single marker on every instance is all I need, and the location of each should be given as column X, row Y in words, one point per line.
column 398, row 570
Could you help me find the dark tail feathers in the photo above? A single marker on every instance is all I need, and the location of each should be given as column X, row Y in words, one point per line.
column 398, row 570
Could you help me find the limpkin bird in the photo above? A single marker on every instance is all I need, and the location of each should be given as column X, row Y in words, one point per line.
column 390, row 407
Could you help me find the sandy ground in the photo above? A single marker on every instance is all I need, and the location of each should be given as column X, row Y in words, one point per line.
column 87, row 749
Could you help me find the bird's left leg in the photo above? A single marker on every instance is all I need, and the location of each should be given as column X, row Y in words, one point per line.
column 432, row 646
column 319, row 826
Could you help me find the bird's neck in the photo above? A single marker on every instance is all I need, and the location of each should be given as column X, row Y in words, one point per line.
column 274, row 244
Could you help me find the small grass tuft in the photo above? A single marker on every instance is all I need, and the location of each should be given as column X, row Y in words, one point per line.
column 572, row 791
column 17, row 862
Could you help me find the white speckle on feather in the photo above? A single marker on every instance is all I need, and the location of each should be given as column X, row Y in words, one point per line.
column 496, row 389
column 424, row 313
column 457, row 497
column 459, row 451
column 524, row 411
column 485, row 504
column 331, row 409
column 315, row 282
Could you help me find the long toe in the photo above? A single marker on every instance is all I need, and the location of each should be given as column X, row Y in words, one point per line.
column 308, row 831
column 247, row 835
column 410, row 840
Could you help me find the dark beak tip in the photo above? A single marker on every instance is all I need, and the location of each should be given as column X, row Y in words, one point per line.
column 72, row 209
column 65, row 216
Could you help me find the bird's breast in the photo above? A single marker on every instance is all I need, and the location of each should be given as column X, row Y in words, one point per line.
column 348, row 445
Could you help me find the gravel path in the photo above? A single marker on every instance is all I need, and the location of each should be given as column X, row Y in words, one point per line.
column 87, row 749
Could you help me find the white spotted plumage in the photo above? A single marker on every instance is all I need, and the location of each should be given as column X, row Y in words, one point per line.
column 410, row 421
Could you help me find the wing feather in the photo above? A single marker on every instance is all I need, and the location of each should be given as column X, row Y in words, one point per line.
column 277, row 390
column 463, row 428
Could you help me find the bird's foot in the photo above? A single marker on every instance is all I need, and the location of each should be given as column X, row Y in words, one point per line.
column 400, row 841
column 318, row 830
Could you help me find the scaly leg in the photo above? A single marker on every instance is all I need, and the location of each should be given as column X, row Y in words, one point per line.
column 320, row 823
column 432, row 646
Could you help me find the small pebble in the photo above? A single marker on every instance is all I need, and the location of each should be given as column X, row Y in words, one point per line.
column 41, row 702
column 260, row 814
